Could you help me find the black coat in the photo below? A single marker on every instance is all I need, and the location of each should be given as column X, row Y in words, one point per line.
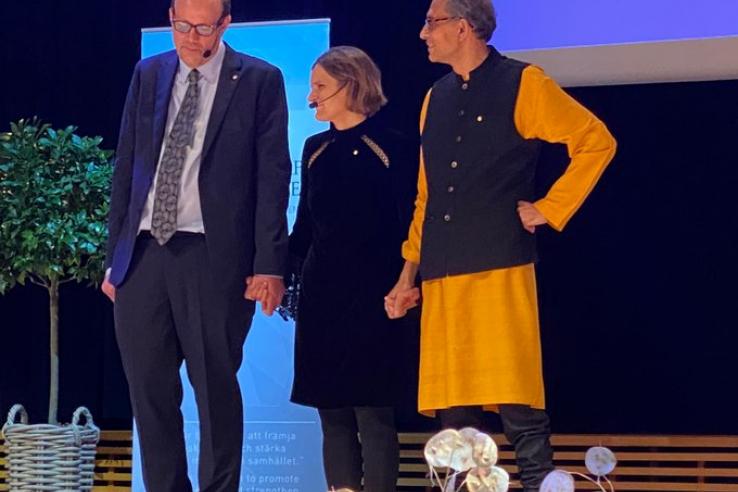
column 244, row 174
column 356, row 201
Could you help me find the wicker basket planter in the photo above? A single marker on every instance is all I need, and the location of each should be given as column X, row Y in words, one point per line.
column 45, row 457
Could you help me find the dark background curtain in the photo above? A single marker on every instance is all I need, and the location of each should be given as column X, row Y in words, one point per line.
column 637, row 295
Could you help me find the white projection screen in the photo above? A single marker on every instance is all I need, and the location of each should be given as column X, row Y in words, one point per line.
column 282, row 441
column 599, row 42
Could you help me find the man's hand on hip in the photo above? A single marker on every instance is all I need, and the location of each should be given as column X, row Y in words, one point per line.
column 530, row 216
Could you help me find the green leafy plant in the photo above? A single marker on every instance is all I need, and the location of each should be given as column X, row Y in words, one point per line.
column 54, row 200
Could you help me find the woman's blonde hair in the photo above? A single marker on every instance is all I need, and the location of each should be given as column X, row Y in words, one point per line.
column 353, row 68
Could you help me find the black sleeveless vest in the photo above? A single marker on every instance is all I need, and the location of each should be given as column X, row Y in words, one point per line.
column 477, row 168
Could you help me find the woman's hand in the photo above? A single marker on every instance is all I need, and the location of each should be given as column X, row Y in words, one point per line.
column 266, row 289
column 401, row 299
column 404, row 295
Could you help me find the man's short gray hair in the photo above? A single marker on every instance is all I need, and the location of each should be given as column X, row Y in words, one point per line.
column 479, row 13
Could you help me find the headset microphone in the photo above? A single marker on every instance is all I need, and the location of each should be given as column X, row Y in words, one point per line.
column 209, row 52
column 315, row 104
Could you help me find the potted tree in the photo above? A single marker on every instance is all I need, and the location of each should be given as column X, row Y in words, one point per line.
column 54, row 197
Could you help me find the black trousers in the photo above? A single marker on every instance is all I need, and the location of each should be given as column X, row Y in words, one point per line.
column 170, row 309
column 528, row 430
column 356, row 435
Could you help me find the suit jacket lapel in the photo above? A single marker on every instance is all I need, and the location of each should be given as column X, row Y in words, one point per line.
column 164, row 83
column 230, row 75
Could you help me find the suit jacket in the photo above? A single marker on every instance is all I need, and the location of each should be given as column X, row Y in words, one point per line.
column 244, row 173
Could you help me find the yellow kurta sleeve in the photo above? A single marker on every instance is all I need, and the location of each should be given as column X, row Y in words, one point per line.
column 411, row 247
column 544, row 111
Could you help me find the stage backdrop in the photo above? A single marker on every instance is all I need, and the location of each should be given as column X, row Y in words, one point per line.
column 282, row 446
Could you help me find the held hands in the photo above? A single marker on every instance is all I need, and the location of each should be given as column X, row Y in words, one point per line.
column 267, row 290
column 404, row 295
column 400, row 299
column 530, row 216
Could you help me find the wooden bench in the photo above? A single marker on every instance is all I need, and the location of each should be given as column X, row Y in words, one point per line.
column 645, row 463
column 112, row 465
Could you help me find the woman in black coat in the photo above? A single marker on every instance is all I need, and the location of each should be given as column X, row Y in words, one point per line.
column 356, row 201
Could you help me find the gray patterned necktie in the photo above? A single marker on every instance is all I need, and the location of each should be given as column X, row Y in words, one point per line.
column 182, row 134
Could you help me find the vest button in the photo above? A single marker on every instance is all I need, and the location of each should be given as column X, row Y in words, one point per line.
column 447, row 218
column 480, row 118
column 462, row 112
column 355, row 152
column 451, row 189
column 464, row 86
column 454, row 165
column 458, row 139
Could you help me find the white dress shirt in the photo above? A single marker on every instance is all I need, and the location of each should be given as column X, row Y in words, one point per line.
column 189, row 214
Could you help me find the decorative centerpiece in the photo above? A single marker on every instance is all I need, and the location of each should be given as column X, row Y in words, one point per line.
column 467, row 457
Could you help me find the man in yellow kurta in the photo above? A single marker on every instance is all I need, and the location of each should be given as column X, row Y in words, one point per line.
column 472, row 236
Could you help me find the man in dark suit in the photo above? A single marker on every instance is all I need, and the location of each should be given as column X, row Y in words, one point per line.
column 197, row 213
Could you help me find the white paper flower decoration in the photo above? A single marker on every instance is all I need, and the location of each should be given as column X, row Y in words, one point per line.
column 439, row 449
column 558, row 481
column 493, row 479
column 600, row 461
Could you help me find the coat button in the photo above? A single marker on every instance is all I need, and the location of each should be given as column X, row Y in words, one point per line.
column 458, row 139
column 480, row 118
column 454, row 165
column 355, row 152
column 447, row 218
column 462, row 112
column 451, row 189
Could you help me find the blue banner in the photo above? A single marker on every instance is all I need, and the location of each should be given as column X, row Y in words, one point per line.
column 282, row 441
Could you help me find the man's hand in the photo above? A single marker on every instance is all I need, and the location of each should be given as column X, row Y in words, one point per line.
column 267, row 290
column 108, row 288
column 530, row 216
column 404, row 295
column 400, row 299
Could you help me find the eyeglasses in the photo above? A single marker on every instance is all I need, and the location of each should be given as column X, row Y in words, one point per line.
column 202, row 29
column 432, row 22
